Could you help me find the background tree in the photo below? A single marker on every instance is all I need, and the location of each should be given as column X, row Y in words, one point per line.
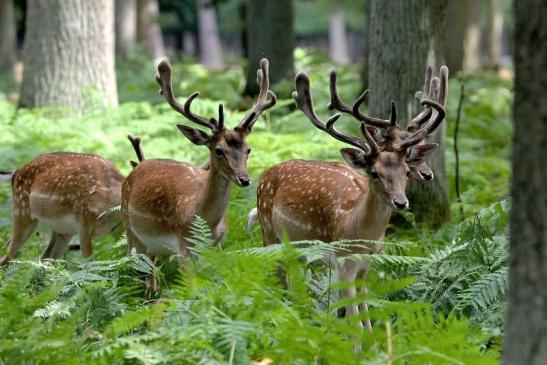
column 338, row 37
column 148, row 29
column 68, row 53
column 495, row 33
column 7, row 38
column 271, row 35
column 126, row 27
column 404, row 37
column 526, row 335
column 463, row 35
column 210, row 46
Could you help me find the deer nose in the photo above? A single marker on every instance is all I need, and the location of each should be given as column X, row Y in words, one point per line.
column 244, row 180
column 400, row 203
column 427, row 175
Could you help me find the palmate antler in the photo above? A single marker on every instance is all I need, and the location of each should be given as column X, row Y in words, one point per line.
column 304, row 101
column 163, row 78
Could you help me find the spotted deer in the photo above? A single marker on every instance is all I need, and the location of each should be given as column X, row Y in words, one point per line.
column 434, row 88
column 67, row 193
column 330, row 201
column 161, row 198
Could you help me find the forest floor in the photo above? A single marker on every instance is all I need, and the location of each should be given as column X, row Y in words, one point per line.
column 436, row 296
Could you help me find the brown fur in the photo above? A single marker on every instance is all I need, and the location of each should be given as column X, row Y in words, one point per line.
column 58, row 185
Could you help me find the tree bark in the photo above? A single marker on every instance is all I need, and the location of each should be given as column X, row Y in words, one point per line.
column 463, row 35
column 8, row 46
column 69, row 54
column 271, row 35
column 338, row 38
column 495, row 34
column 526, row 330
column 126, row 27
column 404, row 37
column 148, row 29
column 210, row 47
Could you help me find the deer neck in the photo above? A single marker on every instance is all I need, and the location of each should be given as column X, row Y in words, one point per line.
column 372, row 215
column 215, row 198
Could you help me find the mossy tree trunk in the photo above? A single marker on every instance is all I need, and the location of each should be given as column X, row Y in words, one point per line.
column 270, row 35
column 526, row 332
column 69, row 54
column 404, row 37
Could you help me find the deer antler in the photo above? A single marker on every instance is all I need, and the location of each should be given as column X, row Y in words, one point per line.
column 262, row 103
column 163, row 78
column 304, row 102
column 338, row 104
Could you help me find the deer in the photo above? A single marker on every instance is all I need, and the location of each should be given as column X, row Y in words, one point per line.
column 161, row 198
column 68, row 193
column 330, row 201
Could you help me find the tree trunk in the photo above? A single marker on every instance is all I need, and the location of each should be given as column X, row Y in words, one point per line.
column 271, row 35
column 463, row 35
column 69, row 54
column 148, row 29
column 338, row 38
column 210, row 47
column 526, row 334
column 404, row 37
column 126, row 27
column 495, row 34
column 8, row 46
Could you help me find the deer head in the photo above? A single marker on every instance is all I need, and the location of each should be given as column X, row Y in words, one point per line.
column 385, row 165
column 228, row 148
column 433, row 97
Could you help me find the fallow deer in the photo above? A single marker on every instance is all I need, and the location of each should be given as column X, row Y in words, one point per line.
column 329, row 201
column 419, row 170
column 68, row 193
column 161, row 198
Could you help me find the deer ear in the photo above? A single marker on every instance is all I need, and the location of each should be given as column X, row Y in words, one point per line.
column 420, row 153
column 196, row 136
column 354, row 158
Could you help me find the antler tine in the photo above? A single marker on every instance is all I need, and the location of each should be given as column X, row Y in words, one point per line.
column 422, row 133
column 136, row 143
column 262, row 103
column 439, row 102
column 163, row 78
column 374, row 148
column 338, row 104
column 304, row 102
column 428, row 90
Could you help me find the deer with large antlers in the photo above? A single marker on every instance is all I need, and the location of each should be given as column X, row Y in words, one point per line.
column 161, row 198
column 68, row 193
column 329, row 201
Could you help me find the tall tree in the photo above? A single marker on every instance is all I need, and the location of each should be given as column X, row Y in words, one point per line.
column 68, row 53
column 495, row 33
column 148, row 28
column 463, row 35
column 404, row 37
column 7, row 38
column 210, row 47
column 271, row 35
column 126, row 27
column 526, row 335
column 338, row 37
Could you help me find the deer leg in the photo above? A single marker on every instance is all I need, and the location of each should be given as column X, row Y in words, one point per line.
column 363, row 307
column 23, row 226
column 151, row 282
column 86, row 234
column 348, row 272
column 60, row 246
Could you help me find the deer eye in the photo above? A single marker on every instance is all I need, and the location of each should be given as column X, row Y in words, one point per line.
column 408, row 173
column 374, row 175
column 220, row 152
column 248, row 151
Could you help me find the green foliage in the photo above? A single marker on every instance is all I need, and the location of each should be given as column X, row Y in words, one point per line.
column 435, row 297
